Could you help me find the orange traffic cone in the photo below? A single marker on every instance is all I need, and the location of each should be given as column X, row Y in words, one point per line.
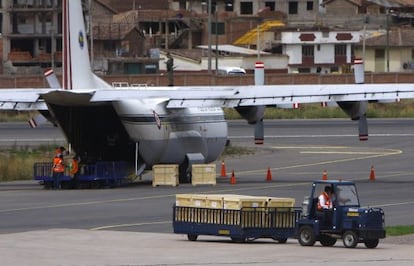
column 223, row 169
column 372, row 174
column 269, row 175
column 325, row 175
column 233, row 178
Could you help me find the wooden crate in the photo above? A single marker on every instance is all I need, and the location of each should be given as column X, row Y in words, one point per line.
column 184, row 200
column 236, row 202
column 203, row 174
column 165, row 174
column 280, row 202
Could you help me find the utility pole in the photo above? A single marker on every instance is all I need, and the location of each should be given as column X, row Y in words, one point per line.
column 209, row 35
column 387, row 48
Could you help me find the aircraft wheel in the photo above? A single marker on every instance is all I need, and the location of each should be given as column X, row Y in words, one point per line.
column 306, row 236
column 371, row 243
column 350, row 239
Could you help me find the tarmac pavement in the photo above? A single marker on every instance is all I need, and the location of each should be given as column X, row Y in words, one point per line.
column 86, row 247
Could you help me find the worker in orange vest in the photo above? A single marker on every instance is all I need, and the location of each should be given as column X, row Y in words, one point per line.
column 74, row 169
column 325, row 202
column 325, row 205
column 58, row 170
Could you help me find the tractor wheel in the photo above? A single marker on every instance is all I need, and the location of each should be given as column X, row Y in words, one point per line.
column 238, row 239
column 350, row 239
column 327, row 241
column 192, row 237
column 371, row 243
column 306, row 236
column 282, row 240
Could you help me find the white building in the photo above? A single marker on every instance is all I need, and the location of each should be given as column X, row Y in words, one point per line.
column 319, row 51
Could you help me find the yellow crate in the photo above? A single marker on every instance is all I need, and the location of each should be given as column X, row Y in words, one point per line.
column 165, row 174
column 214, row 201
column 236, row 202
column 184, row 200
column 199, row 200
column 203, row 174
column 280, row 202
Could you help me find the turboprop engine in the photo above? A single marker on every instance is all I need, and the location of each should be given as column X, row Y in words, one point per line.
column 254, row 114
column 357, row 110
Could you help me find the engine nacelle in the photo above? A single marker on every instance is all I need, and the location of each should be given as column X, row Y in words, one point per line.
column 252, row 114
column 355, row 110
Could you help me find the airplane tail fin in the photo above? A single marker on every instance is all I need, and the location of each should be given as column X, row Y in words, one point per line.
column 77, row 71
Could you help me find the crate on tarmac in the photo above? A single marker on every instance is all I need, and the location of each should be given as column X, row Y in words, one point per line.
column 165, row 174
column 203, row 174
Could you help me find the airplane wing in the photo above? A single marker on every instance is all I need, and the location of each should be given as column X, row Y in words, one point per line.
column 22, row 99
column 258, row 95
column 204, row 96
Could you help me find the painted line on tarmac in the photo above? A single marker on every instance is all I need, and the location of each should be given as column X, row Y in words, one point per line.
column 85, row 203
column 322, row 136
column 338, row 152
column 393, row 204
column 127, row 225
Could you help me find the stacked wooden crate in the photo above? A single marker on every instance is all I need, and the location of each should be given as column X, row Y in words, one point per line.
column 231, row 209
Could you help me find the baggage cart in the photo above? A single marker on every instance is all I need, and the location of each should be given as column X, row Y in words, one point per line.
column 244, row 224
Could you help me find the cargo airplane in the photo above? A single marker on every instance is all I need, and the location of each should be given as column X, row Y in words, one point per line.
column 174, row 125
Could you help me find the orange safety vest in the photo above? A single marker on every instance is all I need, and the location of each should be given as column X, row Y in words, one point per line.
column 75, row 167
column 327, row 201
column 58, row 166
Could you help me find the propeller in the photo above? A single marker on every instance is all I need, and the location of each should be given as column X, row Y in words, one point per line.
column 363, row 128
column 259, row 132
column 259, row 126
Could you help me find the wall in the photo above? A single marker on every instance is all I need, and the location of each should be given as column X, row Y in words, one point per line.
column 202, row 78
column 398, row 56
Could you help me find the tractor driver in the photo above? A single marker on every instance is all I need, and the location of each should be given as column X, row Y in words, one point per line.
column 324, row 200
column 325, row 204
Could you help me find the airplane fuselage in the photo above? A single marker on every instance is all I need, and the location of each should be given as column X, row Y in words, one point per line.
column 169, row 135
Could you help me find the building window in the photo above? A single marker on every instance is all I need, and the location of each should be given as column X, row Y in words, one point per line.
column 270, row 5
column 380, row 53
column 293, row 7
column 229, row 6
column 204, row 6
column 307, row 51
column 304, row 70
column 182, row 4
column 219, row 26
column 334, row 69
column 246, row 8
column 340, row 50
column 309, row 5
